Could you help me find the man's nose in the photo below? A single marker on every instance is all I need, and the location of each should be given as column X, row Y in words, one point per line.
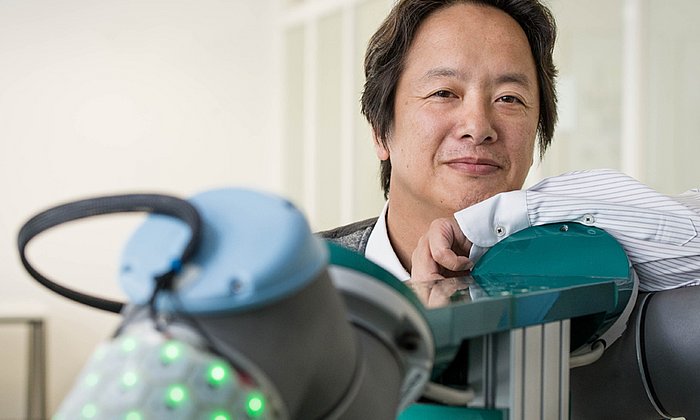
column 476, row 122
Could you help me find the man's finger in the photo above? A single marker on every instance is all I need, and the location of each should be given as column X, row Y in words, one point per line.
column 423, row 267
column 444, row 236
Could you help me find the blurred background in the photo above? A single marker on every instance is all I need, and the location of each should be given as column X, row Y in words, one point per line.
column 114, row 96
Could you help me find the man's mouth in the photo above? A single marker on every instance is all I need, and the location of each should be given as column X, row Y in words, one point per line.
column 474, row 166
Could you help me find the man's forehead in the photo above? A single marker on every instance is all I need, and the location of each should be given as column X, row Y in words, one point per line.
column 502, row 77
column 464, row 37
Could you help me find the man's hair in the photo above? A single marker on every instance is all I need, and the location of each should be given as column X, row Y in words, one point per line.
column 387, row 50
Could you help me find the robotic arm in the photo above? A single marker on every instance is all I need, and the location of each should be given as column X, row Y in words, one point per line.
column 252, row 323
column 237, row 311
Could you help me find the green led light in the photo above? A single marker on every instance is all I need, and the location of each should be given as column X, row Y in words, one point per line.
column 220, row 415
column 129, row 379
column 92, row 379
column 175, row 396
column 170, row 352
column 217, row 373
column 255, row 404
column 133, row 415
column 89, row 411
column 128, row 344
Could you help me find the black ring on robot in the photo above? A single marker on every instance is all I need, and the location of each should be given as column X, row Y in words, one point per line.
column 150, row 203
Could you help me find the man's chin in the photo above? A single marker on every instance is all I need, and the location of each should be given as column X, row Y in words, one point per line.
column 460, row 201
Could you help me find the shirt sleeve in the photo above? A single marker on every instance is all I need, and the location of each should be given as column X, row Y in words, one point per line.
column 658, row 232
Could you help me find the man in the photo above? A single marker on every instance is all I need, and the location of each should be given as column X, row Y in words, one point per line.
column 457, row 92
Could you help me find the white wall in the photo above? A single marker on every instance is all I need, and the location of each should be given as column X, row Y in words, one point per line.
column 101, row 97
column 178, row 96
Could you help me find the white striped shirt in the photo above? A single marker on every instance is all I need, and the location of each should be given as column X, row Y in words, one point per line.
column 659, row 233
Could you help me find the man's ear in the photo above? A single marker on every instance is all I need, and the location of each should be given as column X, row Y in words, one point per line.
column 379, row 148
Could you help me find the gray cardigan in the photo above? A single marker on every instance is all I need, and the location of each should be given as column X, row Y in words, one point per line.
column 353, row 236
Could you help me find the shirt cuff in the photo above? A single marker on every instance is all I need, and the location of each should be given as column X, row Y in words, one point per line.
column 488, row 222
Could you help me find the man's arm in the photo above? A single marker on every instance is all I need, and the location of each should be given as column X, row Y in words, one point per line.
column 660, row 234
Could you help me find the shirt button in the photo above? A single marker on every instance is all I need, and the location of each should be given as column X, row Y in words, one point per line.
column 588, row 219
column 500, row 230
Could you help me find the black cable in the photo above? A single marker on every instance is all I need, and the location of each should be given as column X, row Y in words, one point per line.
column 150, row 203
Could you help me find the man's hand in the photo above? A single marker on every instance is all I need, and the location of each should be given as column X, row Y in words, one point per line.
column 441, row 254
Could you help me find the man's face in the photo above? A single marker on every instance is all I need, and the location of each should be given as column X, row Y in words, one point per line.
column 465, row 113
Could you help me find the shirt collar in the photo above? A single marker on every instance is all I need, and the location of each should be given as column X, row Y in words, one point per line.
column 380, row 251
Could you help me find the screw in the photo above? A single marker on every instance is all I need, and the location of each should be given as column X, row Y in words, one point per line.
column 235, row 285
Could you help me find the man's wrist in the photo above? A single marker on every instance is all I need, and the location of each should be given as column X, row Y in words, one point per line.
column 491, row 220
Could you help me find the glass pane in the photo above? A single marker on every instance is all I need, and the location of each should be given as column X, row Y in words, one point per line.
column 13, row 369
column 672, row 119
column 368, row 196
column 293, row 144
column 588, row 54
column 329, row 108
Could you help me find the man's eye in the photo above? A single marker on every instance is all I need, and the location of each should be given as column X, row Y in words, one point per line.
column 509, row 99
column 444, row 94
